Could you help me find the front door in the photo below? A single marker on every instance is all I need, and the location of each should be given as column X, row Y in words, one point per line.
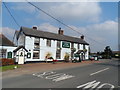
column 82, row 56
column 21, row 58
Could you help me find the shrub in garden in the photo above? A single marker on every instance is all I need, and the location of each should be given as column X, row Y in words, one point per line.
column 6, row 61
column 66, row 57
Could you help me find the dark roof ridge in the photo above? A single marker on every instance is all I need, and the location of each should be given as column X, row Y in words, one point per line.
column 50, row 32
column 50, row 35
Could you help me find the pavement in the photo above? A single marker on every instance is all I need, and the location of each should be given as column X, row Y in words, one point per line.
column 88, row 74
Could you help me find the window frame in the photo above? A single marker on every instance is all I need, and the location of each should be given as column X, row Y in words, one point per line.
column 58, row 44
column 72, row 45
column 36, row 43
column 3, row 53
column 78, row 46
column 48, row 43
column 38, row 52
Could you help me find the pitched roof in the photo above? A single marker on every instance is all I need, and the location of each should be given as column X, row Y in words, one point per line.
column 49, row 35
column 20, row 48
column 5, row 41
column 16, row 33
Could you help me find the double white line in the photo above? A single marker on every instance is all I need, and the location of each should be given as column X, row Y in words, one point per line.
column 99, row 71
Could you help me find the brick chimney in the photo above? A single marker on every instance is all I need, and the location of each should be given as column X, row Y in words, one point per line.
column 61, row 32
column 34, row 27
column 82, row 37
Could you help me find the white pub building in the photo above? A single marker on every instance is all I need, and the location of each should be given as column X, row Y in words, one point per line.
column 37, row 45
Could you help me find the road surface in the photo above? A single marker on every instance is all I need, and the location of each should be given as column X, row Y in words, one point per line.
column 97, row 75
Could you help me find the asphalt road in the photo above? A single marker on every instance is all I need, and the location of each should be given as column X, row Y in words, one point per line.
column 97, row 75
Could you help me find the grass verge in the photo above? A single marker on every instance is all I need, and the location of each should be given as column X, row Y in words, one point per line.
column 9, row 67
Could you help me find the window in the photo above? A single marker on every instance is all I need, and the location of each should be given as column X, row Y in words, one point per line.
column 78, row 46
column 36, row 54
column 9, row 55
column 83, row 46
column 58, row 52
column 28, row 55
column 37, row 43
column 48, row 43
column 58, row 44
column 3, row 53
column 72, row 45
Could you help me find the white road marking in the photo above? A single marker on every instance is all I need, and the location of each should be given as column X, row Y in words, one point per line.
column 99, row 71
column 94, row 85
column 106, row 84
column 63, row 78
column 53, row 76
column 43, row 74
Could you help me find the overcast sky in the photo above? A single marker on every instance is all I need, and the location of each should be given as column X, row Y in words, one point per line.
column 98, row 21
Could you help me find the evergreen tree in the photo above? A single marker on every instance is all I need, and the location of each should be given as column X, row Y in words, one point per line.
column 108, row 52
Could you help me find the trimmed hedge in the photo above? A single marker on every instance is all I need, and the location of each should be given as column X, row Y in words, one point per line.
column 6, row 61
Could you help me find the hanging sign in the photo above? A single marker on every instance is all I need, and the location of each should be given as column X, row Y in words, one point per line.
column 66, row 44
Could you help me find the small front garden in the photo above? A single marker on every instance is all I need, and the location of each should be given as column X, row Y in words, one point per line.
column 9, row 67
column 7, row 64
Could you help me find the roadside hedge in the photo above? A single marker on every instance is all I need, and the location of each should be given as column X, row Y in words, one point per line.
column 6, row 61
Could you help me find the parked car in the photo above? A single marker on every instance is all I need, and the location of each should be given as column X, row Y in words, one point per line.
column 93, row 57
column 76, row 58
column 100, row 57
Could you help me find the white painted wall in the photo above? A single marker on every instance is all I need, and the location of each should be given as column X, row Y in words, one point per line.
column 29, row 45
column 64, row 51
column 9, row 49
column 29, row 42
column 21, row 39
column 76, row 46
column 87, row 53
column 17, row 53
column 81, row 46
column 44, row 49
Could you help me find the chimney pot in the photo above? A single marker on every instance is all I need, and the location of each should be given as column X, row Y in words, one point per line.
column 35, row 27
column 82, row 37
column 60, row 28
column 61, row 32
